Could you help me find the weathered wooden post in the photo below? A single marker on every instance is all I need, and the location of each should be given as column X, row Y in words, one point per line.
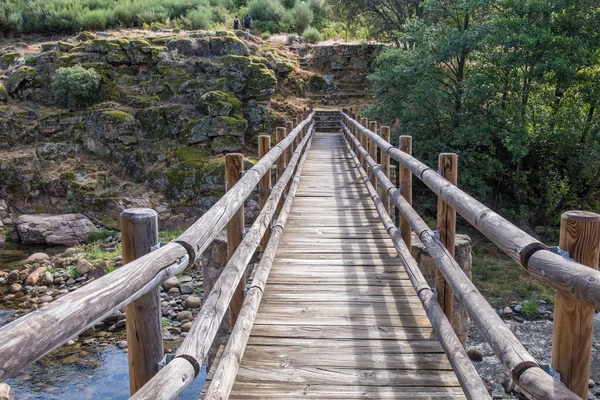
column 264, row 187
column 281, row 161
column 373, row 152
column 446, row 226
column 406, row 189
column 234, row 166
column 385, row 166
column 297, row 140
column 139, row 232
column 363, row 142
column 573, row 320
column 393, row 213
column 289, row 127
column 353, row 131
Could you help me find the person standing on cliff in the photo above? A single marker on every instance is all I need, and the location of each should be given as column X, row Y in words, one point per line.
column 247, row 22
column 236, row 23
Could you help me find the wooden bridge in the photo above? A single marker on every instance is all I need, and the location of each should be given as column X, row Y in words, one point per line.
column 337, row 308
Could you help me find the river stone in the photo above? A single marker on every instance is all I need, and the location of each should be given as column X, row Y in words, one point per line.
column 46, row 299
column 14, row 288
column 171, row 283
column 192, row 302
column 475, row 355
column 37, row 258
column 34, row 277
column 83, row 267
column 71, row 251
column 4, row 391
column 186, row 288
column 67, row 229
column 185, row 327
column 47, row 278
column 13, row 275
column 184, row 315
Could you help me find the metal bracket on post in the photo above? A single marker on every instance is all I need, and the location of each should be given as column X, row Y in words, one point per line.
column 158, row 246
column 550, row 371
column 560, row 252
column 166, row 359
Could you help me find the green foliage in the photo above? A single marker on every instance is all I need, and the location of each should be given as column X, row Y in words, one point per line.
column 265, row 35
column 75, row 15
column 312, row 35
column 288, row 3
column 76, row 86
column 530, row 309
column 291, row 38
column 303, row 16
column 513, row 89
column 101, row 235
column 200, row 18
column 266, row 10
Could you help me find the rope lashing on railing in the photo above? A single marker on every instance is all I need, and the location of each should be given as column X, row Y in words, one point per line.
column 513, row 355
column 565, row 275
column 466, row 373
column 180, row 372
column 34, row 335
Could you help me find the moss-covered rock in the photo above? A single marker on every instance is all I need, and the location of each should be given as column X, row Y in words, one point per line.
column 228, row 126
column 21, row 75
column 218, row 103
column 112, row 124
column 64, row 46
column 3, row 93
column 223, row 144
column 7, row 59
column 249, row 77
column 60, row 122
column 317, row 83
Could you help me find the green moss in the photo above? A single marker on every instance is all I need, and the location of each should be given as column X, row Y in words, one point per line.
column 9, row 58
column 191, row 156
column 3, row 92
column 118, row 115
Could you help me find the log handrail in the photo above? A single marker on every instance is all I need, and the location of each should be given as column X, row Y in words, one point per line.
column 466, row 373
column 34, row 335
column 525, row 370
column 181, row 371
column 562, row 274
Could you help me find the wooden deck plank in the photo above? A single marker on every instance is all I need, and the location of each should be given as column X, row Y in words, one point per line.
column 339, row 318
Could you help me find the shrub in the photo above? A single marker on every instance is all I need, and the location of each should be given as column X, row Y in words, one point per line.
column 312, row 35
column 265, row 35
column 292, row 37
column 530, row 309
column 76, row 86
column 288, row 3
column 266, row 10
column 199, row 18
column 303, row 16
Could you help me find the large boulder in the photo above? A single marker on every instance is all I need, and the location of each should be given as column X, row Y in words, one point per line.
column 67, row 229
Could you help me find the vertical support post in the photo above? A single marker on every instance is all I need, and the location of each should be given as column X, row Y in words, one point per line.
column 264, row 144
column 363, row 143
column 373, row 153
column 446, row 225
column 234, row 166
column 573, row 320
column 139, row 232
column 406, row 189
column 392, row 212
column 281, row 161
column 289, row 127
column 297, row 140
column 385, row 166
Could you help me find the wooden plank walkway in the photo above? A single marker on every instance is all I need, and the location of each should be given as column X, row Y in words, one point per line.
column 339, row 318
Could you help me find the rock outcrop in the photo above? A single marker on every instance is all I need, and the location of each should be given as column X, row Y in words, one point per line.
column 68, row 229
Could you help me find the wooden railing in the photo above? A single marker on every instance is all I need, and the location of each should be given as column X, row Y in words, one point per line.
column 567, row 276
column 34, row 335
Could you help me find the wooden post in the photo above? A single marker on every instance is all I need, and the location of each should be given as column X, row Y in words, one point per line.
column 234, row 166
column 363, row 142
column 406, row 189
column 264, row 144
column 289, row 127
column 393, row 213
column 446, row 226
column 297, row 140
column 373, row 153
column 573, row 320
column 281, row 161
column 385, row 166
column 139, row 232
